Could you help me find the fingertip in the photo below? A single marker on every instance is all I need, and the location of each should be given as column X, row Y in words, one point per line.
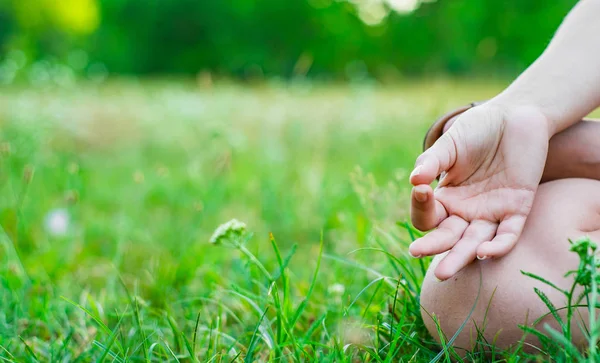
column 416, row 172
column 441, row 274
column 414, row 250
column 498, row 247
column 448, row 267
column 424, row 172
column 422, row 193
column 412, row 254
column 484, row 250
column 416, row 178
column 424, row 188
column 507, row 236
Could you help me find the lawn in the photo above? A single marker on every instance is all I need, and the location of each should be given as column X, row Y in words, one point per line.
column 110, row 195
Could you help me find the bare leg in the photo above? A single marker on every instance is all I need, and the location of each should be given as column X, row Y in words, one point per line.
column 563, row 209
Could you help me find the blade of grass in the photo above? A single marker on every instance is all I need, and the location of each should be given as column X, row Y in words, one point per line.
column 359, row 266
column 111, row 341
column 283, row 263
column 176, row 332
column 550, row 307
column 394, row 305
column 170, row 350
column 106, row 352
column 278, row 321
column 543, row 280
column 138, row 320
column 95, row 319
column 313, row 327
column 7, row 352
column 566, row 343
column 215, row 302
column 411, row 232
column 250, row 355
column 64, row 344
column 28, row 349
column 188, row 347
column 464, row 323
column 302, row 305
column 371, row 300
column 195, row 336
column 379, row 279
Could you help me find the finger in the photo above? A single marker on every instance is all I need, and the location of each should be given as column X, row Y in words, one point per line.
column 465, row 250
column 425, row 211
column 439, row 157
column 506, row 238
column 440, row 240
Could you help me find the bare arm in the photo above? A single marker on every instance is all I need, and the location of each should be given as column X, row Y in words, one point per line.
column 493, row 156
column 574, row 153
column 564, row 82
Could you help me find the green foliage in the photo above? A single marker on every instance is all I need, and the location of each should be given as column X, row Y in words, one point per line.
column 321, row 38
column 586, row 278
column 111, row 195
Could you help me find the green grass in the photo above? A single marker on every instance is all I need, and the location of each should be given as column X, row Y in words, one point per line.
column 146, row 171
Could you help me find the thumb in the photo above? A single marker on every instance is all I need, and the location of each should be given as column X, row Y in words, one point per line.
column 440, row 157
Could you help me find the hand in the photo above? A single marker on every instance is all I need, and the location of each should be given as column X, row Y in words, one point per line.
column 491, row 160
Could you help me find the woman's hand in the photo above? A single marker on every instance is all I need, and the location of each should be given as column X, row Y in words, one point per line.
column 491, row 161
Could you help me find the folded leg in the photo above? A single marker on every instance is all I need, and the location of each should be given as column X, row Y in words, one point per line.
column 563, row 209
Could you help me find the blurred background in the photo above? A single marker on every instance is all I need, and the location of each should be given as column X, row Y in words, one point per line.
column 248, row 39
column 131, row 129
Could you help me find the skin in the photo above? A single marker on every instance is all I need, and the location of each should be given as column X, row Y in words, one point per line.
column 492, row 158
column 483, row 199
column 566, row 206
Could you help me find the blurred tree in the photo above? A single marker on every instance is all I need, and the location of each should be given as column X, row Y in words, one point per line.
column 75, row 16
column 251, row 38
column 46, row 27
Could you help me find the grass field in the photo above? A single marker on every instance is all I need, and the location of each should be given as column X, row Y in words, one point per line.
column 110, row 194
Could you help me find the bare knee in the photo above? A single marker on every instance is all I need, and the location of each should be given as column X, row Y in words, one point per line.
column 479, row 302
column 488, row 302
column 493, row 297
column 446, row 305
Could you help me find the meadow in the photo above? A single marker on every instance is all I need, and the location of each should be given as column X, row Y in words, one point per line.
column 109, row 196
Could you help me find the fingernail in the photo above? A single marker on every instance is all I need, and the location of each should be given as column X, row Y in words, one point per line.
column 413, row 256
column 436, row 278
column 416, row 172
column 481, row 258
column 420, row 196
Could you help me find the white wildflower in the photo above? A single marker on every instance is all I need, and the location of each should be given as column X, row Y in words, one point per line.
column 336, row 289
column 57, row 222
column 227, row 230
column 354, row 333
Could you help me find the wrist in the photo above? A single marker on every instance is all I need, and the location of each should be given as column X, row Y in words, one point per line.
column 525, row 109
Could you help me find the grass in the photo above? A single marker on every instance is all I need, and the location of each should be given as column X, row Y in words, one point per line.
column 109, row 195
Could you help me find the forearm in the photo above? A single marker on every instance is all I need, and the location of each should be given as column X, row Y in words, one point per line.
column 564, row 82
column 574, row 153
